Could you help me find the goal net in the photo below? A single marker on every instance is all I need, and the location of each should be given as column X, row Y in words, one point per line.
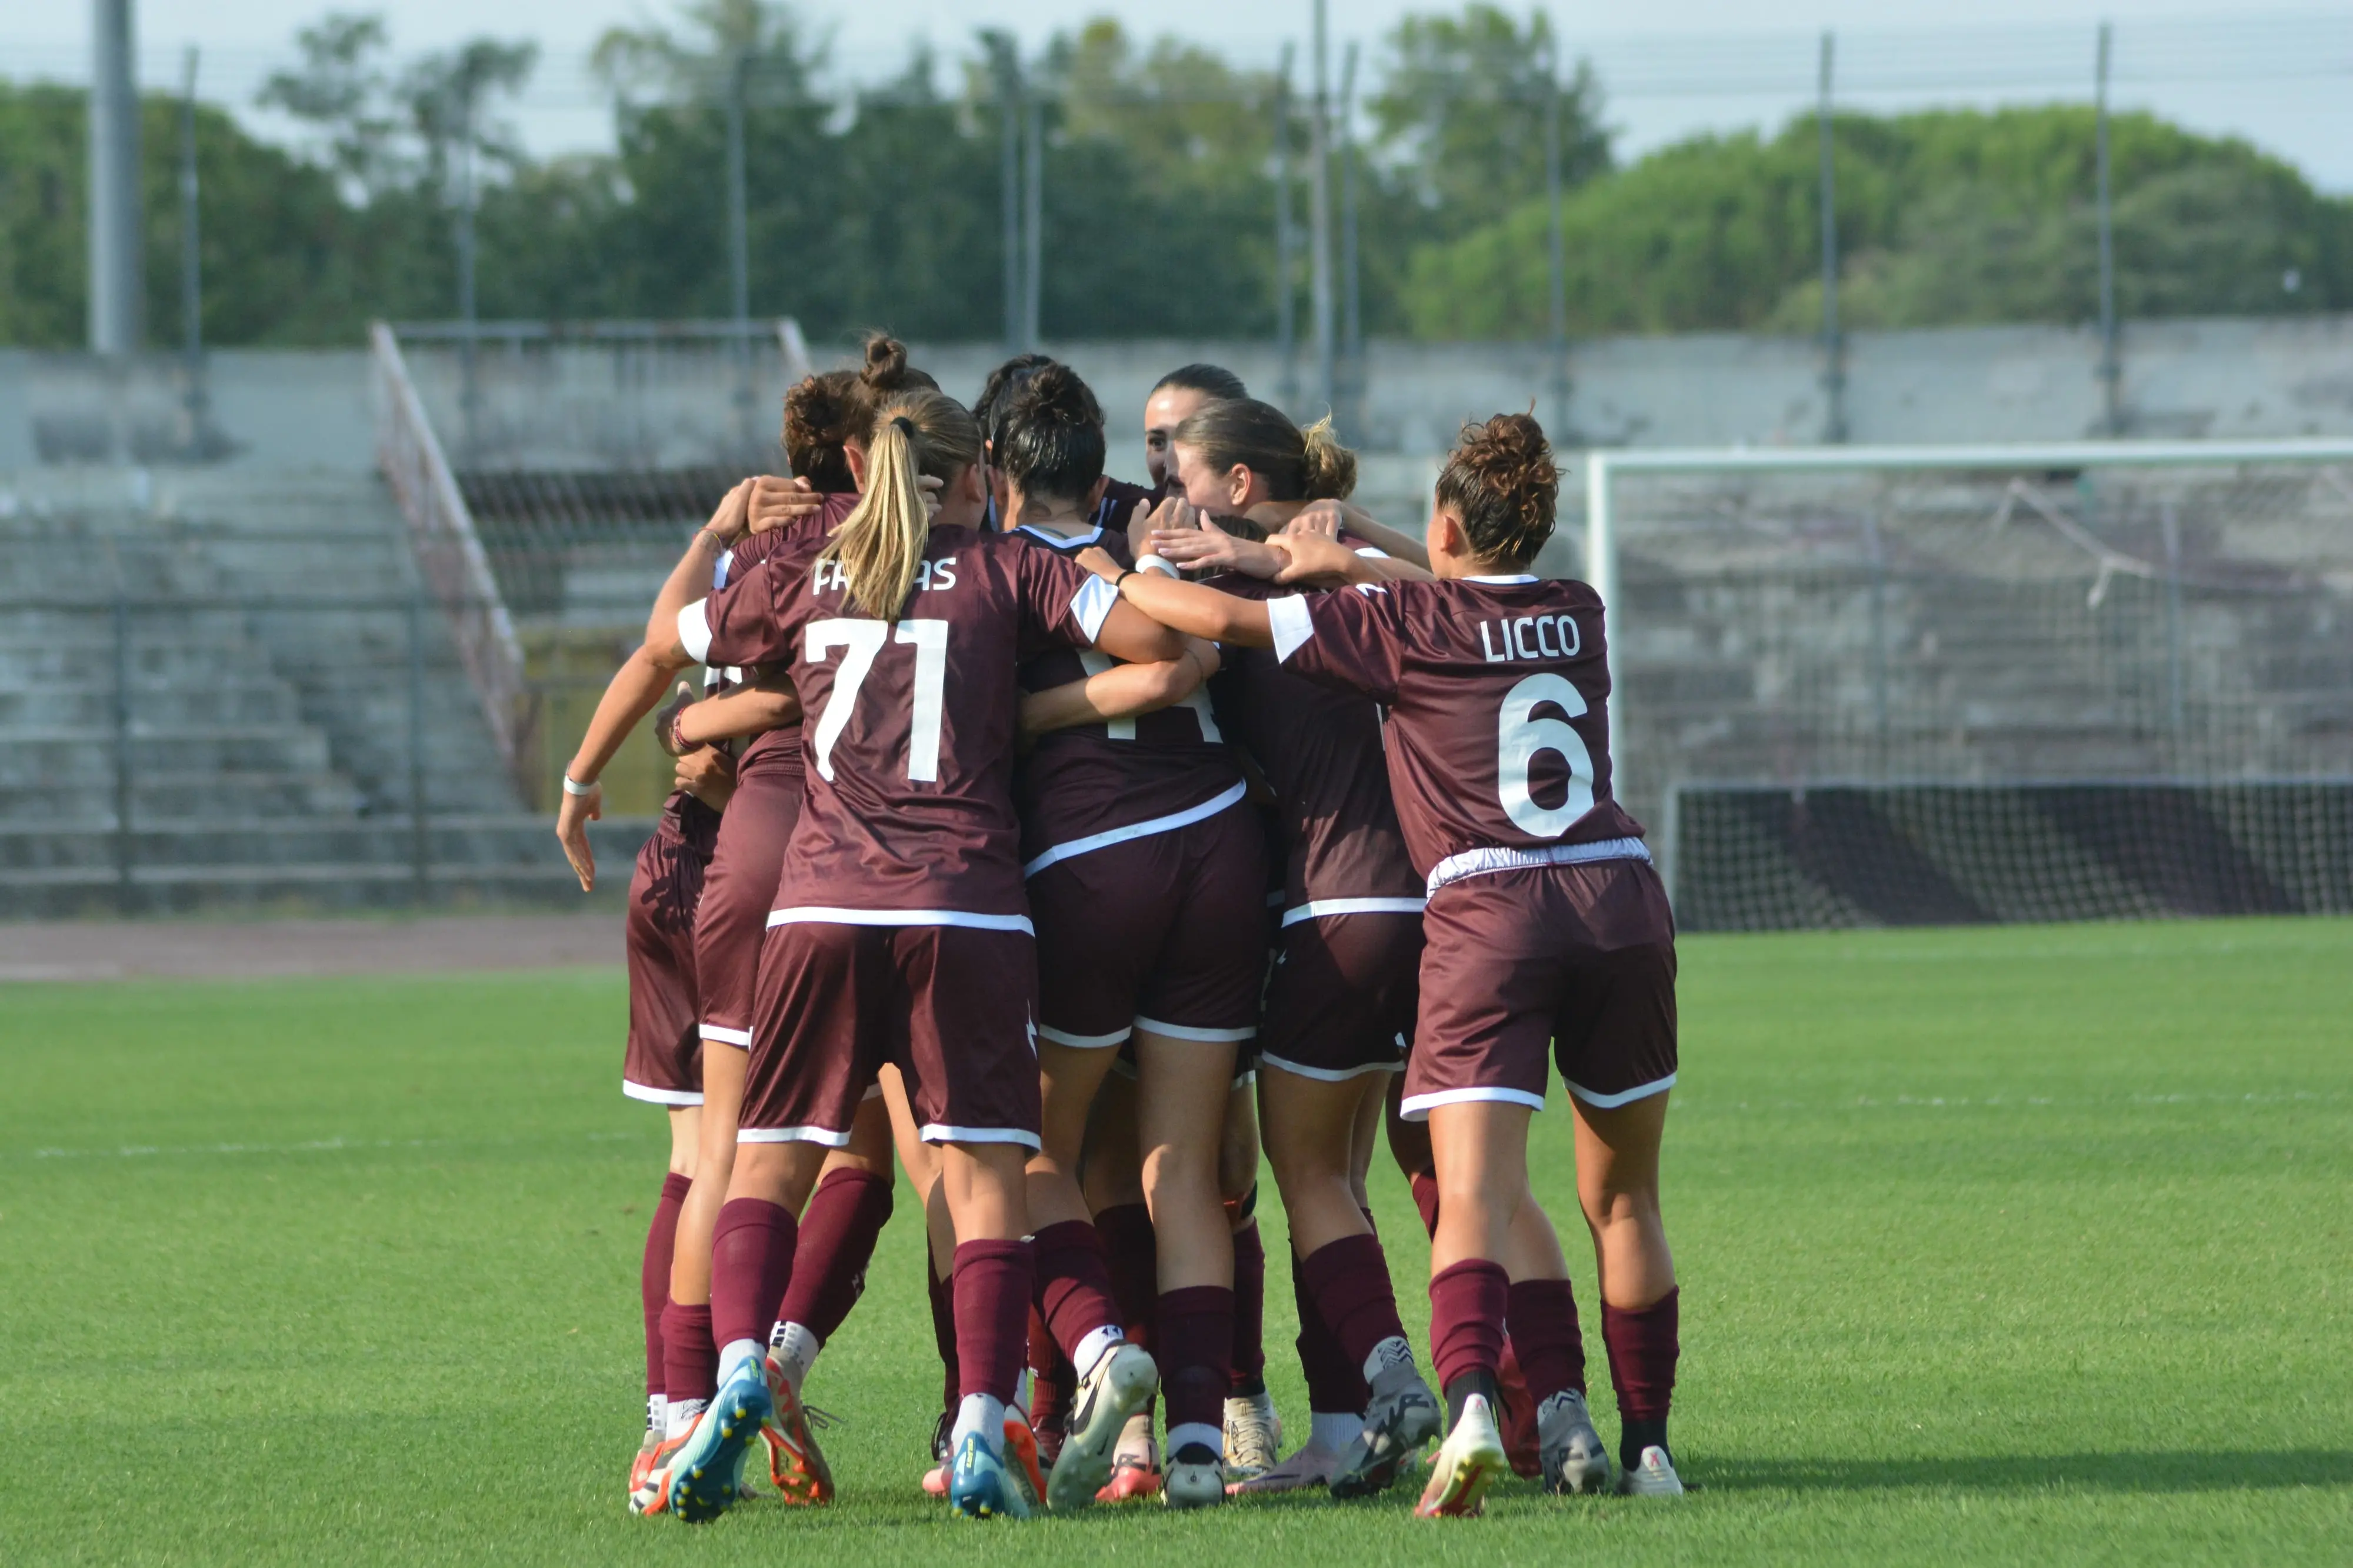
column 1897, row 686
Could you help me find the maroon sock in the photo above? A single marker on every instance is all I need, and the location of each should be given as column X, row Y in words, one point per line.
column 751, row 1264
column 1248, row 1357
column 1425, row 1198
column 1546, row 1338
column 1467, row 1303
column 1336, row 1385
column 944, row 1334
column 1644, row 1344
column 1350, row 1280
column 1197, row 1334
column 653, row 1275
column 1132, row 1257
column 992, row 1316
column 690, row 1356
column 1073, row 1285
column 838, row 1229
column 1053, row 1381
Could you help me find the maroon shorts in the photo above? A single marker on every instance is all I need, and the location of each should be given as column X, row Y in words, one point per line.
column 663, row 1063
column 1341, row 1001
column 1167, row 933
column 738, row 892
column 1581, row 957
column 950, row 1006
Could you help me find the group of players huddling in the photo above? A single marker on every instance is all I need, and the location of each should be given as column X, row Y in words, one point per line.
column 1070, row 838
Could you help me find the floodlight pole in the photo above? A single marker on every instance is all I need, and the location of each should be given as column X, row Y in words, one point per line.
column 192, row 294
column 1557, row 295
column 117, row 291
column 1008, row 93
column 2110, row 369
column 1319, row 199
column 1033, row 214
column 1834, row 345
column 739, row 247
column 1352, row 314
column 469, row 394
column 1286, row 239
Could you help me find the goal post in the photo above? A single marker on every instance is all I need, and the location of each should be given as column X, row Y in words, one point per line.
column 2011, row 682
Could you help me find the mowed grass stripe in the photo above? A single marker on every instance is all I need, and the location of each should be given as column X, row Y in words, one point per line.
column 1997, row 1245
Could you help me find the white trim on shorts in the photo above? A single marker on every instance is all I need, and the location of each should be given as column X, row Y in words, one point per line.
column 1188, row 1032
column 825, row 914
column 726, row 1036
column 1084, row 1042
column 1417, row 1106
column 1624, row 1097
column 1328, row 1075
column 1490, row 857
column 1316, row 909
column 942, row 1132
column 1168, row 824
column 825, row 1135
column 661, row 1096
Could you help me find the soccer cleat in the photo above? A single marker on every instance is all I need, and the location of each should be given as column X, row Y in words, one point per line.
column 1312, row 1465
column 1466, row 1463
column 1021, row 1458
column 1253, row 1435
column 1574, row 1458
column 706, row 1476
column 1134, row 1464
column 980, row 1486
column 1654, row 1476
column 1121, row 1383
column 1403, row 1415
column 796, row 1464
column 649, row 1477
column 936, row 1479
column 1195, row 1477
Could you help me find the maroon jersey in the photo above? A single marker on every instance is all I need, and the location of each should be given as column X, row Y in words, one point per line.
column 1497, row 690
column 1092, row 784
column 908, row 725
column 1320, row 750
column 776, row 751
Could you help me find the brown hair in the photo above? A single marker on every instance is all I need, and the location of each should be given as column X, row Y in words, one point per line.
column 884, row 377
column 1297, row 465
column 1500, row 481
column 880, row 545
column 817, row 422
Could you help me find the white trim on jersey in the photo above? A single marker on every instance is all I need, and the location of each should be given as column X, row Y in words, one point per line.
column 1417, row 1106
column 727, row 1036
column 718, row 568
column 826, row 914
column 1316, row 909
column 1090, row 607
column 1083, row 1042
column 1372, row 552
column 1508, row 581
column 1289, row 620
column 1490, row 857
column 661, row 1096
column 825, row 1135
column 694, row 631
column 1188, row 1032
column 1328, row 1075
column 942, row 1132
column 1060, row 541
column 1146, row 829
column 1623, row 1097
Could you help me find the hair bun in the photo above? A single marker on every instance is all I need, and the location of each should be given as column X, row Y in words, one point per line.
column 886, row 361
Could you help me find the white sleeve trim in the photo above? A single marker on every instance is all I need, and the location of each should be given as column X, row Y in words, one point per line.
column 1289, row 620
column 694, row 632
column 1091, row 606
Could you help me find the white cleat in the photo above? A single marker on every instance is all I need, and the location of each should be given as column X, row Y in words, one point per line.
column 1466, row 1464
column 1122, row 1384
column 1654, row 1476
column 1312, row 1466
column 1253, row 1437
column 1194, row 1477
column 1574, row 1458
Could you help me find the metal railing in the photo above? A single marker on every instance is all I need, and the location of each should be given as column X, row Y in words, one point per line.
column 450, row 553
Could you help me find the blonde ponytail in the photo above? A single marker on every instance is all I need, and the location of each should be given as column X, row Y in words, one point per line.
column 879, row 546
column 1329, row 468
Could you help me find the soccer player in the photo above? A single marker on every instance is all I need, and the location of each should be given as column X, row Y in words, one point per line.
column 1145, row 878
column 901, row 932
column 1546, row 924
column 1342, row 995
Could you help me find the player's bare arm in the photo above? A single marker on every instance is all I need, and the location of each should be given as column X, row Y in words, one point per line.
column 690, row 579
column 1192, row 608
column 1123, row 691
column 1330, row 518
column 1316, row 561
column 1210, row 548
column 629, row 696
column 769, row 704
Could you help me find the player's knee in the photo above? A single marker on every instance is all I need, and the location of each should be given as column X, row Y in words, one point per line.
column 1608, row 1205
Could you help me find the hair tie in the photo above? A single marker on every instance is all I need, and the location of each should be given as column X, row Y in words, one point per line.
column 904, row 426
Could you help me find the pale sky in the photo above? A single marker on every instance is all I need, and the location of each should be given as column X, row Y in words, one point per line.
column 2280, row 73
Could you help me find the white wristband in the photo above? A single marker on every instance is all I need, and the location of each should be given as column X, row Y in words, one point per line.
column 572, row 786
column 1154, row 563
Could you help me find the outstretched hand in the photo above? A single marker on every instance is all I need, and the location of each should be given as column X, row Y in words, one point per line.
column 1323, row 517
column 571, row 819
column 1311, row 558
column 777, row 500
column 1211, row 548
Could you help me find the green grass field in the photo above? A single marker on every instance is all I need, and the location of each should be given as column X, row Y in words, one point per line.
column 2005, row 1244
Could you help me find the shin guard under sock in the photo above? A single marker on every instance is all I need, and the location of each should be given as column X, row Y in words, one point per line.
column 751, row 1266
column 1467, row 1303
column 653, row 1275
column 1644, row 1343
column 835, row 1243
column 992, row 1289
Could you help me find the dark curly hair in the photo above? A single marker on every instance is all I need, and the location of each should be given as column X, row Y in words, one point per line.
column 1049, row 433
column 1500, row 481
column 818, row 412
